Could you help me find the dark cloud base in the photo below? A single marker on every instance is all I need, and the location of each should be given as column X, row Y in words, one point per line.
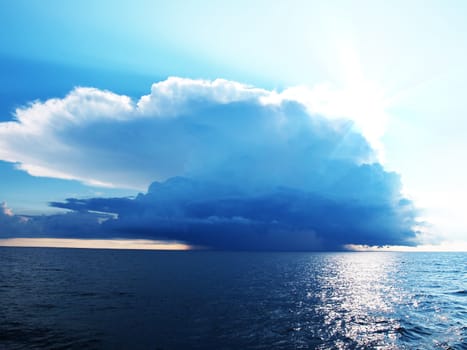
column 221, row 217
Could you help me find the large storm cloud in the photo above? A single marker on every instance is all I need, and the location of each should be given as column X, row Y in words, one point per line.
column 235, row 167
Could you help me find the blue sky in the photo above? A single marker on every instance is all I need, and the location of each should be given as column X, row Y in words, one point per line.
column 397, row 70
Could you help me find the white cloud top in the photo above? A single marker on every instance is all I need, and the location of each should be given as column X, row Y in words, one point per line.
column 105, row 139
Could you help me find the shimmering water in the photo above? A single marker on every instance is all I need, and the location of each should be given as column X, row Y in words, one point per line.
column 93, row 299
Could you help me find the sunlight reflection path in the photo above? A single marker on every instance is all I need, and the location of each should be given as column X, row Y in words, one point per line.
column 356, row 295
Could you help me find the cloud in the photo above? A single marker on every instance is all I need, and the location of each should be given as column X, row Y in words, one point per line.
column 236, row 167
column 83, row 224
column 183, row 128
column 5, row 211
column 223, row 216
column 8, row 221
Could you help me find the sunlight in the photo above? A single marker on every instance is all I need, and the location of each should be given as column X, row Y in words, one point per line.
column 362, row 99
column 360, row 285
column 447, row 246
column 140, row 244
column 353, row 96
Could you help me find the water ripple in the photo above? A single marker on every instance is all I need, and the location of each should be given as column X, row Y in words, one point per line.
column 85, row 299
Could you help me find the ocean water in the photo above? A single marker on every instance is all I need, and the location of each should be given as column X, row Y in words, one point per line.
column 109, row 299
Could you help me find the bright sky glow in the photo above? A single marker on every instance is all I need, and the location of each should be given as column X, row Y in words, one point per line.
column 446, row 246
column 140, row 244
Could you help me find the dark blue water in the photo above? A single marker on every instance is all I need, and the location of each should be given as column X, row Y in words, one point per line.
column 93, row 299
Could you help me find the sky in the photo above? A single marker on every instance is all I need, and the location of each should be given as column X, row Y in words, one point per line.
column 301, row 125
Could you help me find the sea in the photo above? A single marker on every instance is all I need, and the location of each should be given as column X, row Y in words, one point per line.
column 53, row 298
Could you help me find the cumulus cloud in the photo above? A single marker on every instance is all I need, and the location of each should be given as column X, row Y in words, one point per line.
column 5, row 211
column 8, row 221
column 14, row 225
column 236, row 167
column 183, row 128
column 82, row 224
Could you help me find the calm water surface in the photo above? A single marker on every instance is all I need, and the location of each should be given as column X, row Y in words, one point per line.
column 108, row 299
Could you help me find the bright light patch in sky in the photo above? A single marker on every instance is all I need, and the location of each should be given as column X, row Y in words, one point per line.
column 139, row 244
column 447, row 246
